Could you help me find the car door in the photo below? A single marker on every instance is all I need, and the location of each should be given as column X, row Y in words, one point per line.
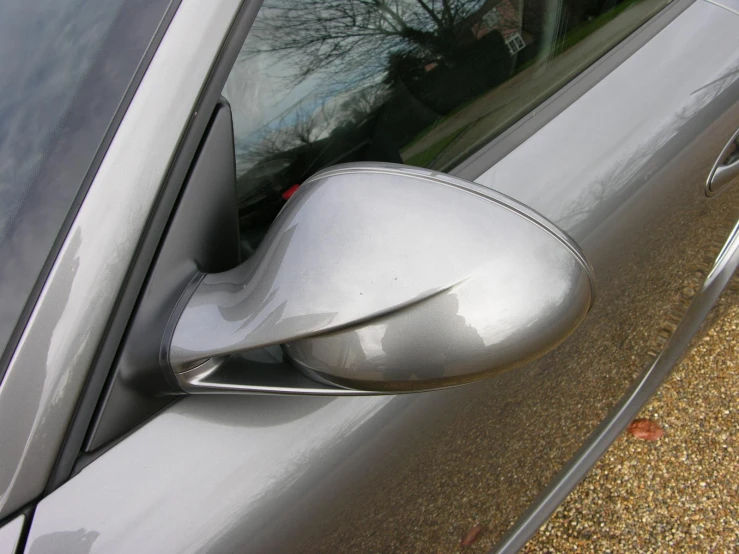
column 611, row 133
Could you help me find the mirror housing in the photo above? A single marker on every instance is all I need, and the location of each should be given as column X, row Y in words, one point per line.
column 382, row 278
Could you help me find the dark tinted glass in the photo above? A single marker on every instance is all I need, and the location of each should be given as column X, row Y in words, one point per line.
column 66, row 66
column 420, row 82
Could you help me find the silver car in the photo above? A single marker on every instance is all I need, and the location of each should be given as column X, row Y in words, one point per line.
column 345, row 275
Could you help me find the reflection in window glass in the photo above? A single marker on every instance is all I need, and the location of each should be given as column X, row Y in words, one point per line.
column 66, row 67
column 515, row 43
column 420, row 82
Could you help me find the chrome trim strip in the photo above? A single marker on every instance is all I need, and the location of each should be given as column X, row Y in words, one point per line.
column 715, row 186
column 208, row 378
column 733, row 9
column 49, row 367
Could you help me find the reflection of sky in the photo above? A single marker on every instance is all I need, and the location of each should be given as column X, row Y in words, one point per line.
column 265, row 94
column 265, row 97
column 46, row 47
column 519, row 306
column 63, row 75
column 260, row 93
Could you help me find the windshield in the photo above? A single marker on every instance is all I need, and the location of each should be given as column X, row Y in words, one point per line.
column 66, row 65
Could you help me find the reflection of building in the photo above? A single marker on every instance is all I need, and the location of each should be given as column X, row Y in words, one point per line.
column 504, row 17
column 514, row 42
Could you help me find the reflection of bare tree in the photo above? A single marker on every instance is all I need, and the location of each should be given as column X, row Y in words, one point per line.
column 362, row 103
column 310, row 126
column 717, row 86
column 650, row 155
column 73, row 542
column 614, row 180
column 378, row 71
column 297, row 128
column 271, row 143
column 352, row 38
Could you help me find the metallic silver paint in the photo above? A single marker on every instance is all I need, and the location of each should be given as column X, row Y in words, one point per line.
column 10, row 534
column 47, row 372
column 391, row 278
column 628, row 408
column 623, row 171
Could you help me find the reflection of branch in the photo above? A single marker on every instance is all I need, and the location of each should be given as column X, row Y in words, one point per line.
column 721, row 80
column 704, row 95
column 270, row 145
column 352, row 39
column 431, row 13
column 447, row 10
column 385, row 9
column 301, row 126
column 608, row 184
column 615, row 180
column 362, row 103
column 296, row 128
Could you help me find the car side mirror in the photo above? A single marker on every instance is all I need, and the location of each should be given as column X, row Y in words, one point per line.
column 382, row 278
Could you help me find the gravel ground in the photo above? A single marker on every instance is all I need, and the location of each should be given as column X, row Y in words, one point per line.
column 681, row 492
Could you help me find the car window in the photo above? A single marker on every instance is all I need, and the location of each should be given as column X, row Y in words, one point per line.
column 66, row 65
column 419, row 82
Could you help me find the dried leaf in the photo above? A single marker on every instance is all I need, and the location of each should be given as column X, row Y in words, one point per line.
column 471, row 536
column 645, row 429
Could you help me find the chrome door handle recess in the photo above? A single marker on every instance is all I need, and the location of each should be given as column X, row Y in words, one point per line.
column 726, row 168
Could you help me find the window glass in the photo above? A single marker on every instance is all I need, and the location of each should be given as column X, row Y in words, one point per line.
column 420, row 82
column 66, row 65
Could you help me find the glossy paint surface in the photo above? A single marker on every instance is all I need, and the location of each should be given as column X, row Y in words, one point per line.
column 623, row 171
column 10, row 534
column 46, row 374
column 388, row 277
column 631, row 403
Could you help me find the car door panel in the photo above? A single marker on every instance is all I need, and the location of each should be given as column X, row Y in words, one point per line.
column 623, row 171
column 631, row 403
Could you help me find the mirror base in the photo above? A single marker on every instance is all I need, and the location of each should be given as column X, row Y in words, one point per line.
column 239, row 375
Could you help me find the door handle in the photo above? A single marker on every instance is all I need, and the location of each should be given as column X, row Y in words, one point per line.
column 726, row 168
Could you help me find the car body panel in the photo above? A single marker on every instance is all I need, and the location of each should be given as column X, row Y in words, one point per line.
column 49, row 368
column 10, row 535
column 627, row 409
column 622, row 170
